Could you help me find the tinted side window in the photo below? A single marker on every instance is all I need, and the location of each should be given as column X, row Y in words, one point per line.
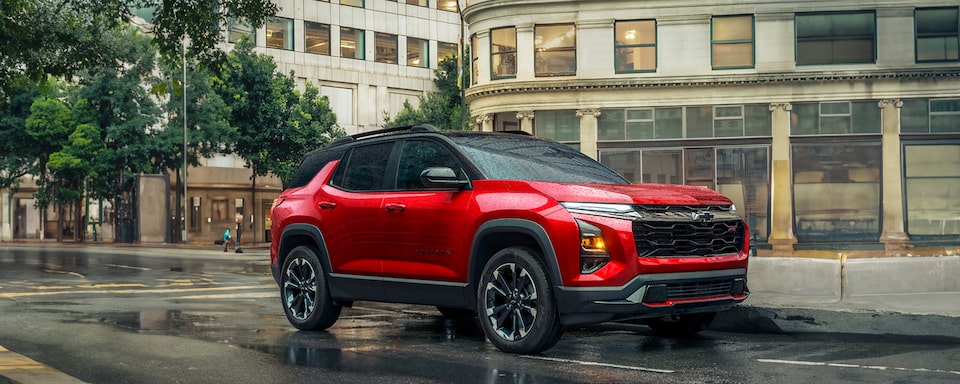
column 417, row 156
column 363, row 168
column 311, row 164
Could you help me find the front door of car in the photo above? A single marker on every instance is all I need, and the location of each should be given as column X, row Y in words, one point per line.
column 424, row 226
column 350, row 209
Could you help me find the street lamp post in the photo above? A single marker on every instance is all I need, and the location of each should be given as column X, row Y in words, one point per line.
column 186, row 199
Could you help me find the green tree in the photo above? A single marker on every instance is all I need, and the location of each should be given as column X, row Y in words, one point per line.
column 276, row 125
column 52, row 37
column 18, row 150
column 70, row 167
column 443, row 108
column 49, row 124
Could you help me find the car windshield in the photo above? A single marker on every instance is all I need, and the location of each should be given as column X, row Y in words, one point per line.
column 514, row 157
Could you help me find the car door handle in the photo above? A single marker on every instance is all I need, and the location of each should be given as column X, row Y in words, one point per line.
column 327, row 205
column 395, row 207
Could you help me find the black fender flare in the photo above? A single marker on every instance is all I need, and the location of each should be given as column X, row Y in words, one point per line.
column 525, row 227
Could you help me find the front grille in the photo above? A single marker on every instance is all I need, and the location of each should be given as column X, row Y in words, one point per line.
column 699, row 289
column 684, row 231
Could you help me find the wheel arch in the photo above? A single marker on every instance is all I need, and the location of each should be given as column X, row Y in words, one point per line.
column 498, row 234
column 295, row 235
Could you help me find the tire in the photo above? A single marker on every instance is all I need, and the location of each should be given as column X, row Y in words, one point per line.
column 304, row 292
column 515, row 303
column 680, row 325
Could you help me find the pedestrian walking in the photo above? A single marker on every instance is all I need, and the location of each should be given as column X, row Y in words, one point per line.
column 239, row 219
column 226, row 239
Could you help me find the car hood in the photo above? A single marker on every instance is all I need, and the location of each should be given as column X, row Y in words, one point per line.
column 654, row 194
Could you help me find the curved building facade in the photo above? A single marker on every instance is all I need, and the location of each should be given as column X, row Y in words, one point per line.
column 833, row 125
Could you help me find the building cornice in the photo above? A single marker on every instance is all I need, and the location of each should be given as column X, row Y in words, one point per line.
column 580, row 85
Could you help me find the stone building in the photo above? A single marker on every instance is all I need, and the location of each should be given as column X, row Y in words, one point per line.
column 833, row 125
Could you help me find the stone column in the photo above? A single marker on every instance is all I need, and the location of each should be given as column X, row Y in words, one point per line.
column 525, row 63
column 526, row 121
column 893, row 235
column 484, row 123
column 588, row 131
column 781, row 236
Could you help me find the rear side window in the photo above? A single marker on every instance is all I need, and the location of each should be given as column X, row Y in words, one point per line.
column 312, row 163
column 363, row 168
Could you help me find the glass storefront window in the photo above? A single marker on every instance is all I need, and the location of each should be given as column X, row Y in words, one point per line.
column 352, row 43
column 743, row 175
column 386, row 48
column 938, row 34
column 662, row 166
column 932, row 189
column 562, row 126
column 835, row 118
column 503, row 53
column 732, row 41
column 555, row 50
column 418, row 52
column 280, row 33
column 836, row 191
column 836, row 37
column 316, row 38
column 635, row 43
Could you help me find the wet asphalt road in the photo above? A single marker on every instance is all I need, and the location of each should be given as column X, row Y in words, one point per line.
column 126, row 315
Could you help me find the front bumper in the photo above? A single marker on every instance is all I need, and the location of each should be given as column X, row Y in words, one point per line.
column 653, row 295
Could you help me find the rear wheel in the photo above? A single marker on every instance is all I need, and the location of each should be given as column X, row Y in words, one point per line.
column 515, row 303
column 304, row 292
column 680, row 325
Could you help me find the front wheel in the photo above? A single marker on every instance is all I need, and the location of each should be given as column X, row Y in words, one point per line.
column 304, row 292
column 515, row 303
column 680, row 325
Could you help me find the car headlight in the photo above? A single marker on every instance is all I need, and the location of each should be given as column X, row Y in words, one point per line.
column 618, row 211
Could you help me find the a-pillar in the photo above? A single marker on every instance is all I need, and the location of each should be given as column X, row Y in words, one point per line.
column 526, row 121
column 484, row 123
column 893, row 236
column 781, row 236
column 588, row 131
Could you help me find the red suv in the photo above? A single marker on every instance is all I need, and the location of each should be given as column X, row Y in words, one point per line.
column 529, row 234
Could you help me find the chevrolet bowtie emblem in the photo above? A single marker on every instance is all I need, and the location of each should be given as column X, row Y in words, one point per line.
column 702, row 216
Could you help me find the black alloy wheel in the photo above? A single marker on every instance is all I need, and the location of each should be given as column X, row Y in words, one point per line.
column 304, row 293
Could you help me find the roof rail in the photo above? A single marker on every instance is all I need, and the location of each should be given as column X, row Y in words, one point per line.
column 409, row 128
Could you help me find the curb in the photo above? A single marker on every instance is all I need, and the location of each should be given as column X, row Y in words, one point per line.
column 787, row 320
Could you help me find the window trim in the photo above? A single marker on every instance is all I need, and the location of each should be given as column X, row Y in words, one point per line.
column 656, row 52
column 752, row 41
column 564, row 49
column 916, row 34
column 797, row 40
column 492, row 54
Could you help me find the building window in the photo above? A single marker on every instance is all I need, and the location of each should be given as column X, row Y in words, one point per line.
column 555, row 50
column 932, row 173
column 562, row 125
column 503, row 53
column 836, row 191
column 752, row 120
column 835, row 118
column 930, row 116
column 731, row 38
column 938, row 34
column 352, row 43
column 280, row 33
column 354, row 3
column 836, row 38
column 635, row 44
column 316, row 38
column 422, row 3
column 386, row 51
column 221, row 211
column 195, row 210
column 446, row 51
column 447, row 5
column 237, row 29
column 418, row 52
column 474, row 58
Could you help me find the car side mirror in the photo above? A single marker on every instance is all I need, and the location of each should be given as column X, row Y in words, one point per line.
column 442, row 177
